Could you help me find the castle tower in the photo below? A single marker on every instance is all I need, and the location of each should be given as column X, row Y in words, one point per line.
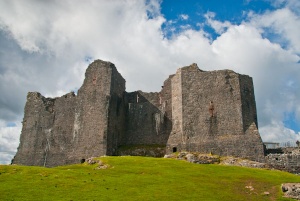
column 71, row 128
column 229, row 128
column 99, row 114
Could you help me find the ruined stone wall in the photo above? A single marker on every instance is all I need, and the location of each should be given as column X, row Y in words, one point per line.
column 166, row 107
column 223, row 133
column 176, row 135
column 47, row 130
column 67, row 129
column 61, row 133
column 145, row 121
column 116, row 114
column 252, row 141
column 248, row 102
column 90, row 136
column 148, row 122
column 285, row 162
column 103, row 119
column 198, row 88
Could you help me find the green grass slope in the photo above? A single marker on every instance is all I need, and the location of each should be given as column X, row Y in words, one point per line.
column 141, row 178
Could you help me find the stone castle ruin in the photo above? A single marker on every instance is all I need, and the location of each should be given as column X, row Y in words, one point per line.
column 196, row 111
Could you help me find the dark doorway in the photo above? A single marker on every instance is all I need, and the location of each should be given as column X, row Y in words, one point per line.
column 174, row 149
column 82, row 160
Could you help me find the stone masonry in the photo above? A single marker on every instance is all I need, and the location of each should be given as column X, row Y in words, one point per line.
column 103, row 118
column 232, row 130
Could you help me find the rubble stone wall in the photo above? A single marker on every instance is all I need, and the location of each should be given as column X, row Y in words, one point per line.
column 285, row 162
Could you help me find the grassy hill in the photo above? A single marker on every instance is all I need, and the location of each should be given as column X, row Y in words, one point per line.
column 141, row 178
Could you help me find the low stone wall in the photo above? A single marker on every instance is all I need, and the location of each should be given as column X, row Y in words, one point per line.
column 285, row 162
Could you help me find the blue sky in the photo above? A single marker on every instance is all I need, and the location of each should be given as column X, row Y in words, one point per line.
column 46, row 46
column 290, row 121
column 234, row 11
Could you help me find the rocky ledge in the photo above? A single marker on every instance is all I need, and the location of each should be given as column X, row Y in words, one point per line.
column 215, row 159
column 291, row 190
column 195, row 157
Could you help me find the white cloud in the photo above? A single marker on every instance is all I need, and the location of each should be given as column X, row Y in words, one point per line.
column 283, row 22
column 45, row 45
column 276, row 132
column 184, row 17
column 293, row 5
column 9, row 141
column 219, row 27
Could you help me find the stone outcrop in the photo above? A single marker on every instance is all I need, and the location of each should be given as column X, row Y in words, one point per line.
column 291, row 190
column 195, row 157
column 103, row 118
column 242, row 162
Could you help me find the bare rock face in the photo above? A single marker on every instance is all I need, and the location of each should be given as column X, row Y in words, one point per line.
column 243, row 163
column 196, row 111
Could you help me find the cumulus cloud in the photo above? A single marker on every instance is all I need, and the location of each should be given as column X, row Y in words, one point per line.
column 47, row 45
column 9, row 141
column 284, row 23
column 277, row 132
column 218, row 26
column 293, row 5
